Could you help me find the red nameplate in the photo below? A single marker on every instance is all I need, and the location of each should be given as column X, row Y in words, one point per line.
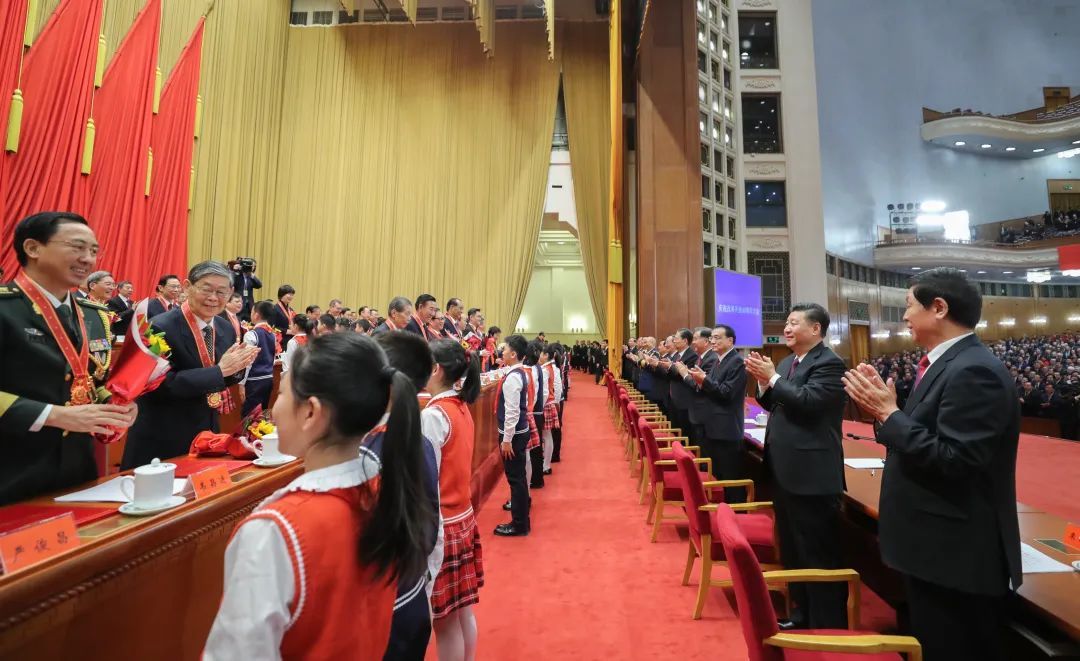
column 1072, row 535
column 36, row 542
column 210, row 481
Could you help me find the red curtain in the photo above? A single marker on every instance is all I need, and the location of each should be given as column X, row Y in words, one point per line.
column 58, row 85
column 173, row 143
column 12, row 24
column 1069, row 257
column 123, row 114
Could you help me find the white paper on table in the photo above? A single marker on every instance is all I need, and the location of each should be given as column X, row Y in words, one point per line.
column 864, row 462
column 757, row 434
column 109, row 492
column 1034, row 561
column 749, row 421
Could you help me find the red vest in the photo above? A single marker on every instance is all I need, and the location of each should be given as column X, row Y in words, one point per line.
column 455, row 473
column 339, row 610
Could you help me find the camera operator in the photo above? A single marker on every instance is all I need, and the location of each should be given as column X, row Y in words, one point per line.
column 245, row 282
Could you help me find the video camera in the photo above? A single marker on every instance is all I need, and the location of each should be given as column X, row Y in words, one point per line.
column 243, row 264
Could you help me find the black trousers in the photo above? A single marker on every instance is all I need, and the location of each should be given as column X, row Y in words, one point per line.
column 536, row 456
column 256, row 393
column 727, row 461
column 515, row 477
column 681, row 419
column 556, row 436
column 410, row 630
column 808, row 528
column 953, row 625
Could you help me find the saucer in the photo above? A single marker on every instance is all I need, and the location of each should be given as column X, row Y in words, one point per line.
column 263, row 462
column 131, row 509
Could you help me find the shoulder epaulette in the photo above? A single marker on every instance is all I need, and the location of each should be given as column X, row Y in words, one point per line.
column 87, row 303
column 10, row 290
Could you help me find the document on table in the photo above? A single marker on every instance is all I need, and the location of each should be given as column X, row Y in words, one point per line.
column 109, row 492
column 757, row 434
column 864, row 462
column 750, row 421
column 1036, row 562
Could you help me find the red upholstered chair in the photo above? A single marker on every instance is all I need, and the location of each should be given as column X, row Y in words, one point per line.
column 704, row 539
column 659, row 424
column 645, row 439
column 665, row 481
column 764, row 642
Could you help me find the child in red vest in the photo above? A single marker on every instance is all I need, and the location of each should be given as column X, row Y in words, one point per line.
column 448, row 424
column 313, row 571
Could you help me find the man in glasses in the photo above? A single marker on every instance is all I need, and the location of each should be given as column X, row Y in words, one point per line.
column 54, row 354
column 206, row 360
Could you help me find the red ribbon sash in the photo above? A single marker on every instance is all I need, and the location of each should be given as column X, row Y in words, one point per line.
column 82, row 386
column 216, row 400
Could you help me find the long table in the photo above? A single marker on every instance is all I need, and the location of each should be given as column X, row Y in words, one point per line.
column 1047, row 607
column 148, row 588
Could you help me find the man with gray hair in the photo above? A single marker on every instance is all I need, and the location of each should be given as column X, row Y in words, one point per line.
column 205, row 359
column 399, row 312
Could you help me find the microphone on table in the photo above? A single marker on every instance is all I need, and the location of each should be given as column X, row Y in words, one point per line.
column 859, row 438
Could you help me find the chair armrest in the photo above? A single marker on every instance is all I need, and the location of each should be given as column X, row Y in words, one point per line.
column 866, row 644
column 749, row 484
column 751, row 507
column 849, row 576
column 693, row 449
column 706, row 461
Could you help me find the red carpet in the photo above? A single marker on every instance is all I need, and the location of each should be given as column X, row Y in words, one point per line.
column 587, row 584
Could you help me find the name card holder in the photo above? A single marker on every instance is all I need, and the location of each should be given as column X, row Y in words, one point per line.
column 210, row 481
column 1072, row 537
column 36, row 542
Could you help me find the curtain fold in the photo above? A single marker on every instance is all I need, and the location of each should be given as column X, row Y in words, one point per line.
column 409, row 162
column 585, row 68
column 58, row 84
column 12, row 27
column 119, row 207
column 172, row 139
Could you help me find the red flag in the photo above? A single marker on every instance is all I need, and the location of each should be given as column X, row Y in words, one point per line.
column 1069, row 257
column 12, row 26
column 123, row 115
column 173, row 143
column 58, row 84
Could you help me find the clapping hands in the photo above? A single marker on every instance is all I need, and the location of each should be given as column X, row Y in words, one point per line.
column 874, row 396
column 760, row 367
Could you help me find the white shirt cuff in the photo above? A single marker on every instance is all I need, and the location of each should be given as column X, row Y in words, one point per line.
column 773, row 380
column 42, row 417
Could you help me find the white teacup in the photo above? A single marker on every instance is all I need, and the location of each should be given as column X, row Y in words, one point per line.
column 151, row 486
column 266, row 448
column 761, row 419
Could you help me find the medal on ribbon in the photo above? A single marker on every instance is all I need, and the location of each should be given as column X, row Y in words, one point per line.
column 215, row 400
column 82, row 384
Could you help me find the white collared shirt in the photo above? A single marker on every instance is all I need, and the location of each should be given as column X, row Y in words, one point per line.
column 511, row 392
column 939, row 350
column 557, row 378
column 254, row 613
column 776, row 377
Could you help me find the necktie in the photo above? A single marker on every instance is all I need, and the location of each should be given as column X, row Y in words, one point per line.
column 66, row 318
column 791, row 370
column 924, row 364
column 208, row 339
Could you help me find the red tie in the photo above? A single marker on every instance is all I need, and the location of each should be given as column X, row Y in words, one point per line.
column 924, row 363
column 791, row 370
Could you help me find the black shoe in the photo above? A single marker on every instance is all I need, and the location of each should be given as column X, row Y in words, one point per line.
column 506, row 506
column 508, row 530
column 536, row 485
column 547, row 471
column 555, row 459
column 790, row 625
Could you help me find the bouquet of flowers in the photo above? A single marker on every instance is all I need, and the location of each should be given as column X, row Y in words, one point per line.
column 141, row 366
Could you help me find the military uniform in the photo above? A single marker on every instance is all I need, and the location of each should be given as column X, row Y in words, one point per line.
column 34, row 374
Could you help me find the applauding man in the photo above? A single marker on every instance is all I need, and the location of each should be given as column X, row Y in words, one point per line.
column 948, row 494
column 805, row 457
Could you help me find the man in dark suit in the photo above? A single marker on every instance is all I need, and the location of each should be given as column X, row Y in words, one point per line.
column 723, row 387
column 423, row 313
column 205, row 359
column 682, row 395
column 805, row 458
column 454, row 324
column 167, row 296
column 245, row 282
column 123, row 305
column 947, row 517
column 399, row 312
column 706, row 358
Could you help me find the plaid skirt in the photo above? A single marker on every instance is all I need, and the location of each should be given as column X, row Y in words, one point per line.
column 534, row 434
column 462, row 574
column 551, row 416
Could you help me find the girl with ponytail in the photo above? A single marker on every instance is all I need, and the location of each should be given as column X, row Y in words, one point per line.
column 313, row 571
column 448, row 425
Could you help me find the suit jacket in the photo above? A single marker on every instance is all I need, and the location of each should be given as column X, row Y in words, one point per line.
column 154, row 307
column 245, row 284
column 451, row 330
column 646, row 377
column 698, row 403
column 724, row 391
column 171, row 416
column 33, row 374
column 414, row 327
column 803, row 440
column 279, row 319
column 124, row 312
column 682, row 396
column 948, row 491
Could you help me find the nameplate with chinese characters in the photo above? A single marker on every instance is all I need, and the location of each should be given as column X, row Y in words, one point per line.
column 210, row 481
column 39, row 541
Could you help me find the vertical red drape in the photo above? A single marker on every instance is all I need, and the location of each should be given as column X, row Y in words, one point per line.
column 173, row 143
column 58, row 86
column 1069, row 257
column 12, row 25
column 123, row 114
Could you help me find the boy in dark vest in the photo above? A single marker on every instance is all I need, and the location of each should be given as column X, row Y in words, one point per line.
column 259, row 380
column 512, row 413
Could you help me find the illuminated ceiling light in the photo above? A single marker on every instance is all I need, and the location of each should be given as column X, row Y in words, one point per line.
column 1038, row 151
column 1072, row 273
column 1007, row 322
column 959, row 143
column 981, row 324
column 981, row 272
column 1038, row 320
column 1038, row 276
column 985, row 146
column 1073, row 318
column 1006, row 272
column 963, row 270
column 916, row 268
column 1069, row 153
column 903, row 333
column 1076, row 142
column 932, row 206
column 1010, row 149
column 880, row 335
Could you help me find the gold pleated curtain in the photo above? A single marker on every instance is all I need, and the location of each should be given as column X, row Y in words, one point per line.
column 410, row 162
column 584, row 48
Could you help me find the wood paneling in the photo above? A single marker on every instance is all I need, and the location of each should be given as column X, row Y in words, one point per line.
column 669, row 256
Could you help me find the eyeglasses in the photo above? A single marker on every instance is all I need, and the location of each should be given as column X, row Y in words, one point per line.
column 80, row 247
column 207, row 292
